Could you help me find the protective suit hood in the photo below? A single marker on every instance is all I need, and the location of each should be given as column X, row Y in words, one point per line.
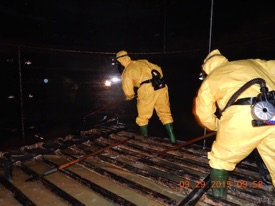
column 123, row 58
column 121, row 54
column 213, row 60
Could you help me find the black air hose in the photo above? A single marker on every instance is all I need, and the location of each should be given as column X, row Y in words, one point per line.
column 233, row 98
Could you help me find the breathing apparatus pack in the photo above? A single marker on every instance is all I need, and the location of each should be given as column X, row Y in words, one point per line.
column 262, row 106
column 157, row 81
column 263, row 110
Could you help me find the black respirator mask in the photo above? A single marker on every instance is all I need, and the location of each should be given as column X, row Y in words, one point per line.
column 202, row 76
column 119, row 67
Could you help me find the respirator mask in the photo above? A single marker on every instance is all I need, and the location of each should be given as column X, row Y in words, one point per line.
column 119, row 66
column 202, row 76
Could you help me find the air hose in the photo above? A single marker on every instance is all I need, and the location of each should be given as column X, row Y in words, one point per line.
column 263, row 106
column 233, row 98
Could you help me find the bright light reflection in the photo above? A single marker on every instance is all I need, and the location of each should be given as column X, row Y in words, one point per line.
column 115, row 79
column 28, row 62
column 45, row 81
column 108, row 83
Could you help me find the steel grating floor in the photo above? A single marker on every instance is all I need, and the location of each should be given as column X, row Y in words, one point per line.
column 110, row 166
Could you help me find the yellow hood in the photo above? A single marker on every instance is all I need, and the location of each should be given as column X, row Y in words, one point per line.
column 213, row 60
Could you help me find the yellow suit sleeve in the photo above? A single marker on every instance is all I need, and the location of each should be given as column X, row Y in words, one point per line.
column 205, row 108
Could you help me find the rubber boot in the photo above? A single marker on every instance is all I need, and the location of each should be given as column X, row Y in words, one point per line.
column 219, row 182
column 144, row 130
column 170, row 131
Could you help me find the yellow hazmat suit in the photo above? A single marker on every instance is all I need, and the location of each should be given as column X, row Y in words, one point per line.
column 148, row 99
column 236, row 137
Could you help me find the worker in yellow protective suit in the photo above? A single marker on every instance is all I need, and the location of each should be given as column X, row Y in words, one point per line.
column 138, row 74
column 236, row 136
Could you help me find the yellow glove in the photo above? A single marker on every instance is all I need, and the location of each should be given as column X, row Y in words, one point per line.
column 129, row 98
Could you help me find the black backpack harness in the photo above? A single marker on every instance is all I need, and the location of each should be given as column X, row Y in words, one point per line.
column 157, row 81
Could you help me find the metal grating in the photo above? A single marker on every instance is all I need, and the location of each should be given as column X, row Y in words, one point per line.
column 110, row 166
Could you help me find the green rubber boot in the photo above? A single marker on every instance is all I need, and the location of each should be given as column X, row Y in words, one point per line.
column 170, row 131
column 144, row 130
column 219, row 182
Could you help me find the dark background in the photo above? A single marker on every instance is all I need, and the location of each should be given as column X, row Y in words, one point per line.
column 73, row 44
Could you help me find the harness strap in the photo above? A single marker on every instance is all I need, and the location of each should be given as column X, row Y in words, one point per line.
column 145, row 82
column 245, row 101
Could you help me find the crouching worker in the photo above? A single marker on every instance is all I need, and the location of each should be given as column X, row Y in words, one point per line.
column 152, row 93
column 233, row 88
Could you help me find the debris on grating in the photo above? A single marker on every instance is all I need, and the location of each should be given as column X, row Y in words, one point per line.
column 110, row 166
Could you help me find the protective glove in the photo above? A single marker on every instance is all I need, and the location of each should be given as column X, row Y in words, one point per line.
column 129, row 98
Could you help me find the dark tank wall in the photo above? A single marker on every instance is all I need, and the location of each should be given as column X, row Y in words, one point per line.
column 48, row 93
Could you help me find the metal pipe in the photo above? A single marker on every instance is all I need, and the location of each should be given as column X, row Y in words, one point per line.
column 76, row 160
column 21, row 97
